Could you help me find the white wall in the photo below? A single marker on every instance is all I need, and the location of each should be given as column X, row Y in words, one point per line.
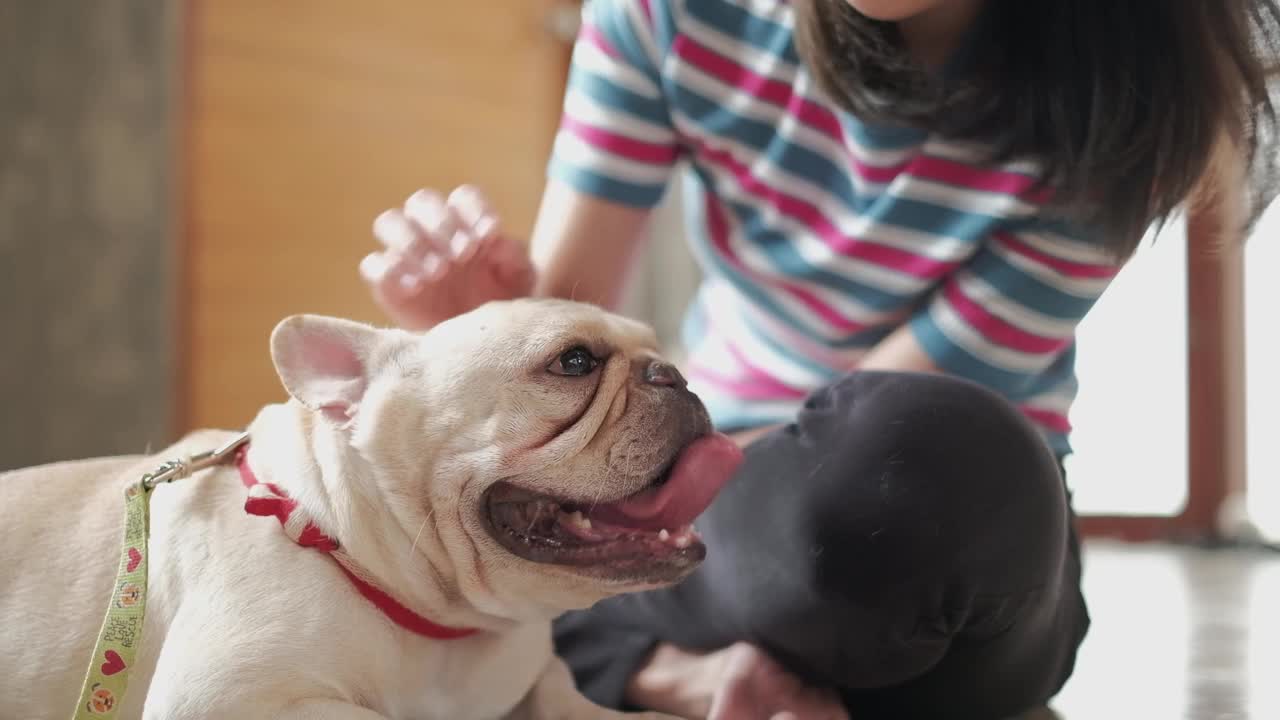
column 667, row 277
column 1130, row 416
column 1262, row 363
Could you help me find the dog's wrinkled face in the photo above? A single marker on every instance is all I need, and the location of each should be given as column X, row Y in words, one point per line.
column 554, row 456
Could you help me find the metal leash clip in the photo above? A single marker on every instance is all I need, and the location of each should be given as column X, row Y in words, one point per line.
column 178, row 469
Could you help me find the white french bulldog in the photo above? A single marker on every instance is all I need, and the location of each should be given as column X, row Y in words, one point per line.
column 524, row 459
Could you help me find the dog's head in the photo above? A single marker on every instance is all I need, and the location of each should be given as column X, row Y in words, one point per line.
column 540, row 450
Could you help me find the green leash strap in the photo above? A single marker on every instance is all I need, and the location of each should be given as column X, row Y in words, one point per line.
column 107, row 679
column 108, row 676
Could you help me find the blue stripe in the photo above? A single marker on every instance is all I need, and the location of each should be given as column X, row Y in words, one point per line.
column 616, row 97
column 715, row 264
column 1058, row 226
column 881, row 137
column 715, row 120
column 797, row 359
column 592, row 183
column 737, row 24
column 957, row 360
column 782, row 254
column 612, row 20
column 728, row 415
column 1028, row 290
column 664, row 25
column 1017, row 387
column 930, row 218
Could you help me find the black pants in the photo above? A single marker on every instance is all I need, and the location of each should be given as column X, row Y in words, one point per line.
column 907, row 540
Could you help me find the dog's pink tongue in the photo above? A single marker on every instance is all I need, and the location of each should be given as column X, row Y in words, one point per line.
column 701, row 470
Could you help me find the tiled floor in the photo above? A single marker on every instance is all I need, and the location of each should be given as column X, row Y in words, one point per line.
column 1178, row 634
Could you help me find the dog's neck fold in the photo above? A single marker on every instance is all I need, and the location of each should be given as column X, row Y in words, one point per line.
column 310, row 460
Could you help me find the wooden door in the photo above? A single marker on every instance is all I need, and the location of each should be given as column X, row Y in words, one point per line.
column 304, row 120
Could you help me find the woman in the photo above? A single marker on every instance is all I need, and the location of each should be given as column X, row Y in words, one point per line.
column 903, row 209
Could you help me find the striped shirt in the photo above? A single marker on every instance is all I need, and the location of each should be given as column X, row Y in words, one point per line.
column 818, row 234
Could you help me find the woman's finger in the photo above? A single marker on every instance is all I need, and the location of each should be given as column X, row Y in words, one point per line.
column 438, row 223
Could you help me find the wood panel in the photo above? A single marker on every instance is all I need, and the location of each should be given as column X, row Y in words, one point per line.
column 85, row 227
column 306, row 119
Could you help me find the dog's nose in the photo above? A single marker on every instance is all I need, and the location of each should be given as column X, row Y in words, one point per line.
column 659, row 372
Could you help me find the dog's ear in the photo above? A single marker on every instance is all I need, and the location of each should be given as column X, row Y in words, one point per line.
column 325, row 363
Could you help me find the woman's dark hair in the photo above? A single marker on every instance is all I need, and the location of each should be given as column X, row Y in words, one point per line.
column 1125, row 104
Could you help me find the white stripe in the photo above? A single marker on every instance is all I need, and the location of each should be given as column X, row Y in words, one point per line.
column 759, row 61
column 794, row 309
column 642, row 31
column 776, row 68
column 1059, row 401
column 843, row 155
column 721, row 295
column 807, row 242
column 961, row 334
column 934, row 247
column 1086, row 288
column 581, row 106
column 771, row 10
column 750, row 255
column 1069, row 249
column 971, row 153
column 576, row 152
column 1011, row 311
column 789, row 128
column 762, row 354
column 760, row 412
column 711, row 352
column 591, row 58
column 969, row 200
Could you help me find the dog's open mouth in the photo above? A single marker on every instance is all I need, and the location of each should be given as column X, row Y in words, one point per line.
column 649, row 533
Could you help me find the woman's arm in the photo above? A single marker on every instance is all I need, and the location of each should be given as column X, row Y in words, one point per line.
column 900, row 352
column 584, row 246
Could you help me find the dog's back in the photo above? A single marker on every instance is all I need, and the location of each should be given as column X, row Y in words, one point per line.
column 59, row 548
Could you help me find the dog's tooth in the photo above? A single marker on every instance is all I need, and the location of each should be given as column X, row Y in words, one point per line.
column 682, row 541
column 663, row 535
column 579, row 521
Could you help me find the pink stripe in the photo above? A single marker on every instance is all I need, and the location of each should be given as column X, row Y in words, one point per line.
column 967, row 176
column 824, row 121
column 592, row 34
column 811, row 217
column 996, row 329
column 648, row 11
column 1069, row 268
column 781, row 95
column 748, row 390
column 759, row 377
column 719, row 231
column 1048, row 418
column 613, row 143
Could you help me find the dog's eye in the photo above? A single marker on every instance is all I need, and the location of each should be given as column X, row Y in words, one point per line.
column 574, row 362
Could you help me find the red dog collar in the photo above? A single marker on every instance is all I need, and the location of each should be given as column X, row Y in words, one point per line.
column 267, row 499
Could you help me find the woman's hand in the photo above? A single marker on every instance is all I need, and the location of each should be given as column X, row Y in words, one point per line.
column 442, row 257
column 739, row 682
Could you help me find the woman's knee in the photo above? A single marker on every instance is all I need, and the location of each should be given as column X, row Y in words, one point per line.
column 903, row 478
